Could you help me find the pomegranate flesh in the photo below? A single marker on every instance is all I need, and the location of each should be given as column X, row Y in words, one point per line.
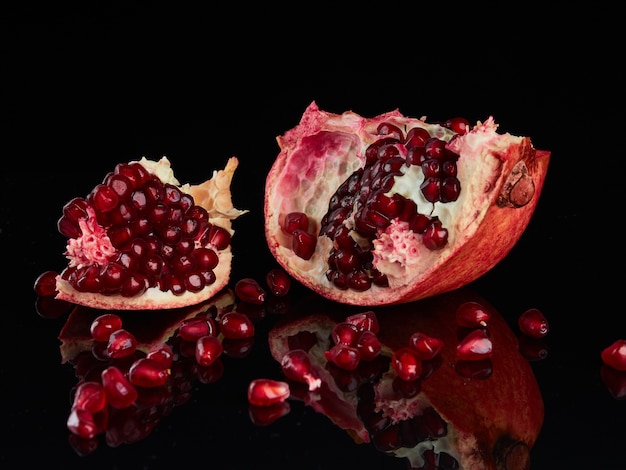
column 391, row 209
column 463, row 414
column 142, row 241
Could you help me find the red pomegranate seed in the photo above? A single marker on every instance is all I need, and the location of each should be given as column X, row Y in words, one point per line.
column 533, row 323
column 365, row 321
column 427, row 347
column 435, row 236
column 236, row 325
column 407, row 364
column 614, row 355
column 416, row 136
column 89, row 396
column 266, row 392
column 303, row 243
column 278, row 282
column 192, row 329
column 105, row 324
column 147, row 373
column 46, row 285
column 472, row 315
column 458, row 124
column 344, row 333
column 296, row 365
column 119, row 391
column 249, row 290
column 266, row 415
column 294, row 221
column 368, row 345
column 208, row 349
column 163, row 354
column 475, row 346
column 122, row 343
column 81, row 423
column 343, row 356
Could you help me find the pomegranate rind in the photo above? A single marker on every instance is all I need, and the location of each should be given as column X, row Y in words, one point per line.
column 489, row 218
column 486, row 416
column 215, row 196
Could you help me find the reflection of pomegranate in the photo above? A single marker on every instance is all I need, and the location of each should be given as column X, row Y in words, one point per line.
column 392, row 209
column 140, row 240
column 458, row 414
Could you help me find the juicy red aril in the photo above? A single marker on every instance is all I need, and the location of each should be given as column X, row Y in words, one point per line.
column 236, row 325
column 155, row 225
column 295, row 221
column 45, row 284
column 122, row 343
column 266, row 392
column 366, row 198
column 368, row 345
column 148, row 373
column 103, row 325
column 459, row 125
column 89, row 396
column 208, row 349
column 472, row 315
column 407, row 364
column 343, row 356
column 614, row 355
column 249, row 290
column 427, row 347
column 119, row 391
column 344, row 333
column 192, row 329
column 365, row 321
column 278, row 282
column 296, row 365
column 81, row 423
column 475, row 346
column 163, row 354
column 533, row 323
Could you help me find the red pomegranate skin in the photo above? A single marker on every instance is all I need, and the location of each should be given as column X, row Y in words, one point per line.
column 497, row 420
column 506, row 176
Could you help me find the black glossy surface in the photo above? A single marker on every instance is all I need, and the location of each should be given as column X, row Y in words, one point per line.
column 85, row 90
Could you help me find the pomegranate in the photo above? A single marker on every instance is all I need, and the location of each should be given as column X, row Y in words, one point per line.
column 483, row 413
column 142, row 241
column 390, row 209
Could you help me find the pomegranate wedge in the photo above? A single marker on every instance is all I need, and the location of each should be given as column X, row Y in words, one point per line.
column 390, row 209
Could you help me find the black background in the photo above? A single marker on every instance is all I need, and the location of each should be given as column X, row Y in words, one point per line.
column 88, row 87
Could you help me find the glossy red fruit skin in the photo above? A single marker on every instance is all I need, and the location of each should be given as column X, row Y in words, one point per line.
column 307, row 156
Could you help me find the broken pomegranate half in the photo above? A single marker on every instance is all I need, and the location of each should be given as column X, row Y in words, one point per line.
column 390, row 209
column 142, row 241
column 452, row 413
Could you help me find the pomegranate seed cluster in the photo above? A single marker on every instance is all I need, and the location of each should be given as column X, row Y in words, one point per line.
column 366, row 197
column 153, row 235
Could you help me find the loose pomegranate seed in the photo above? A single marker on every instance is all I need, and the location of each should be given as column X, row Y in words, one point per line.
column 266, row 415
column 427, row 347
column 344, row 333
column 236, row 325
column 406, row 363
column 192, row 329
column 148, row 373
column 119, row 391
column 459, row 125
column 105, row 324
column 249, row 290
column 208, row 350
column 122, row 343
column 303, row 244
column 533, row 323
column 81, row 423
column 365, row 321
column 266, row 392
column 368, row 345
column 343, row 356
column 614, row 355
column 278, row 282
column 296, row 365
column 472, row 315
column 163, row 354
column 45, row 284
column 476, row 345
column 89, row 396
